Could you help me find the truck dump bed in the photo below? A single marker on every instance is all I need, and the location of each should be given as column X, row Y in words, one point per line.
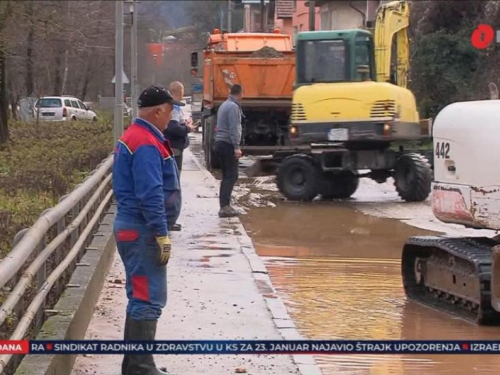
column 264, row 65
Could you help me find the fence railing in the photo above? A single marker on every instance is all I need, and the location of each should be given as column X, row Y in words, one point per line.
column 43, row 257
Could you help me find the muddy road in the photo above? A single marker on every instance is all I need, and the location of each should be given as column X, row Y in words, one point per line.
column 337, row 267
column 338, row 272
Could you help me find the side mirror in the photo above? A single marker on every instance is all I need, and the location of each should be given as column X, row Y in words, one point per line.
column 194, row 62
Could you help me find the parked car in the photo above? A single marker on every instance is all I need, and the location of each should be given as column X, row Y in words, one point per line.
column 62, row 108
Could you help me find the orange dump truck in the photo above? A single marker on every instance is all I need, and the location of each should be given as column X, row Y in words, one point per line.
column 264, row 65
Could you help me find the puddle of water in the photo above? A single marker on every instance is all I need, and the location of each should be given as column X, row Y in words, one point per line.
column 325, row 230
column 338, row 272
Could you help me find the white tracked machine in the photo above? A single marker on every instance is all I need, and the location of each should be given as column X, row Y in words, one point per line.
column 461, row 275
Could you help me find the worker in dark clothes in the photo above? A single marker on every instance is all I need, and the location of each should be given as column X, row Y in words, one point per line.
column 147, row 191
column 227, row 147
column 179, row 127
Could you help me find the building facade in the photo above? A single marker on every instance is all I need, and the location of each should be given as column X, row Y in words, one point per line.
column 252, row 22
column 342, row 15
column 292, row 16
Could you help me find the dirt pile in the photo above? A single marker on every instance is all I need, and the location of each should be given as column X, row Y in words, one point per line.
column 267, row 53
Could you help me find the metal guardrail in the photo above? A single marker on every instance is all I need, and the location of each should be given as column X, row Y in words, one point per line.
column 50, row 246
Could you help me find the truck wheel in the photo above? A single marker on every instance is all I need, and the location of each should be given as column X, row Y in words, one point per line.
column 298, row 178
column 413, row 177
column 339, row 186
column 211, row 159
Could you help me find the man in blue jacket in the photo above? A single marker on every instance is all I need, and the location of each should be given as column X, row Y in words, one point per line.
column 147, row 191
column 179, row 127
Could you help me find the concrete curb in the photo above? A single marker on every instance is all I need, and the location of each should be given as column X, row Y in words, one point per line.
column 76, row 305
column 283, row 322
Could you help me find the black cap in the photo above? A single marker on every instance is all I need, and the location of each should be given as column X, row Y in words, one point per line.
column 156, row 95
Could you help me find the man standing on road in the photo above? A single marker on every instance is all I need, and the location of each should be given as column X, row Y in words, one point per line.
column 227, row 147
column 178, row 127
column 147, row 191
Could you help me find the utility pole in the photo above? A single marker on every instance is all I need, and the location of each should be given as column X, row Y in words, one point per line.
column 118, row 117
column 154, row 69
column 312, row 15
column 262, row 7
column 133, row 79
column 229, row 15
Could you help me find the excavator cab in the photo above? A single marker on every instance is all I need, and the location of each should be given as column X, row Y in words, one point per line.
column 335, row 56
column 338, row 96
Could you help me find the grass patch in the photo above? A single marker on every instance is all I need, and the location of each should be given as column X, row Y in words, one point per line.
column 42, row 163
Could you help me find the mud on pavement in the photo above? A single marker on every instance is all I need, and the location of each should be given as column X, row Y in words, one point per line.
column 218, row 289
column 336, row 264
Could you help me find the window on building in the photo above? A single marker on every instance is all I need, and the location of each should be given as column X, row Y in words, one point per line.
column 294, row 5
column 322, row 61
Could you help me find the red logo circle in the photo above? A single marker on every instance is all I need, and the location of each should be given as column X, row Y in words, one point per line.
column 482, row 36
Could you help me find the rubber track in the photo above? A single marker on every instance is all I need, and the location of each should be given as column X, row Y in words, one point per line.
column 476, row 250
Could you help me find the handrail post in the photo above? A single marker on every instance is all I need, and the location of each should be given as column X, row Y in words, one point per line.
column 40, row 280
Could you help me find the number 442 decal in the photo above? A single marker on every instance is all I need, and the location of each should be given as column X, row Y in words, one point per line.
column 442, row 150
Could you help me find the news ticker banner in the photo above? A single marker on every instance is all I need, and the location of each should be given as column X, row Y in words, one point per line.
column 250, row 347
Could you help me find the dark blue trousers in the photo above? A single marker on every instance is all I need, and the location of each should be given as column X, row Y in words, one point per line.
column 146, row 281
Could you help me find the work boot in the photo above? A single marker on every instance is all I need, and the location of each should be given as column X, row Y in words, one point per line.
column 143, row 364
column 125, row 338
column 175, row 228
column 228, row 211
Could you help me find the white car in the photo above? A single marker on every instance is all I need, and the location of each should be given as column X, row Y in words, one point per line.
column 62, row 108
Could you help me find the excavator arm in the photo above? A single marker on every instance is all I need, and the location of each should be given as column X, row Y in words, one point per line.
column 391, row 24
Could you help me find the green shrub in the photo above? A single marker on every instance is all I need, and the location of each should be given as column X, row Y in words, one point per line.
column 42, row 163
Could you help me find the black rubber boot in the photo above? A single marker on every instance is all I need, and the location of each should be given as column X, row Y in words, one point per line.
column 142, row 364
column 175, row 228
column 125, row 337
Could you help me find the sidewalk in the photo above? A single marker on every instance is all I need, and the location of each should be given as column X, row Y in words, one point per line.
column 218, row 289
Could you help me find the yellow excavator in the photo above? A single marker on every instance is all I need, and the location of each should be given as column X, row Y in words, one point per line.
column 350, row 106
column 392, row 22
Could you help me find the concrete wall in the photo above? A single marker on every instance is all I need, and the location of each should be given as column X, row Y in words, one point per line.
column 284, row 25
column 339, row 15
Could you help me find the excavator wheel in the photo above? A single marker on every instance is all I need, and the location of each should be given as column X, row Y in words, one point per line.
column 452, row 275
column 339, row 186
column 299, row 178
column 413, row 177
